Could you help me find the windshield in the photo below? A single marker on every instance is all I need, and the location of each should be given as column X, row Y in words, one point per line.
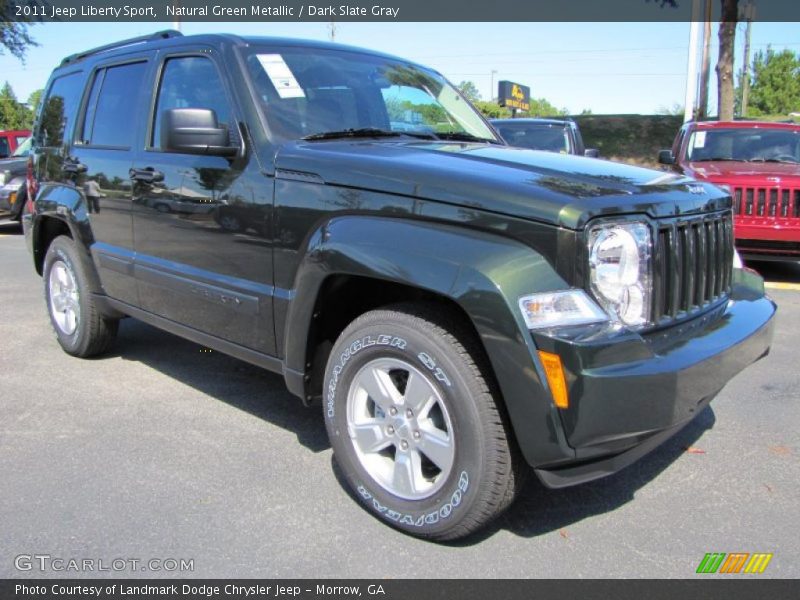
column 310, row 91
column 551, row 138
column 748, row 145
column 24, row 148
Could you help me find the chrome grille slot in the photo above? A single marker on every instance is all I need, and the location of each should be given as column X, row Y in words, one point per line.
column 774, row 203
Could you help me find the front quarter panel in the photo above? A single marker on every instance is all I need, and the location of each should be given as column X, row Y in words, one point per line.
column 484, row 273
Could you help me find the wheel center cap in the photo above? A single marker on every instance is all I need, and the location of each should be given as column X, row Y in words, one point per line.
column 403, row 426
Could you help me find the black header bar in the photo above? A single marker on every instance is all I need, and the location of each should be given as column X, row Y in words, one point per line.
column 375, row 10
column 705, row 588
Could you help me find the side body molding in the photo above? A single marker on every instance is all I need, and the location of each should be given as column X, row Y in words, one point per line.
column 484, row 274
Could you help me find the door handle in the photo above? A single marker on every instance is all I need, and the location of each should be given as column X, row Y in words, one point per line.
column 147, row 175
column 73, row 167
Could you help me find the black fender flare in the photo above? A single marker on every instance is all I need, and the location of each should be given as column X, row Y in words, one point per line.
column 66, row 204
column 484, row 273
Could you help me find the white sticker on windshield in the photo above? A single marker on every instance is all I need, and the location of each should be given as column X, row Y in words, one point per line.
column 281, row 76
column 700, row 139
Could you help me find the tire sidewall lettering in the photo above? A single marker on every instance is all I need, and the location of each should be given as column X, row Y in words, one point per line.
column 356, row 346
column 419, row 519
column 429, row 513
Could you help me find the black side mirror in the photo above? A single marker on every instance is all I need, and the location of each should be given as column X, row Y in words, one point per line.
column 195, row 131
column 592, row 152
column 665, row 157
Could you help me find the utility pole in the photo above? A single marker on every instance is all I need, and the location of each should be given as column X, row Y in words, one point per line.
column 702, row 104
column 176, row 24
column 749, row 13
column 691, row 67
column 491, row 84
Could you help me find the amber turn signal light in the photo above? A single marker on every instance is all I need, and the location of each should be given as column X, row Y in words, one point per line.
column 555, row 378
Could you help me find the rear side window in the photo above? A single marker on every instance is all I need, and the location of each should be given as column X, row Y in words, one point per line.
column 58, row 110
column 5, row 150
column 111, row 109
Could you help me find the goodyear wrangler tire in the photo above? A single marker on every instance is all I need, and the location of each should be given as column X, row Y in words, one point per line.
column 80, row 328
column 414, row 425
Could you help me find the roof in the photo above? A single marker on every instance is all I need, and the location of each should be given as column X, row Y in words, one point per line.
column 168, row 38
column 533, row 121
column 745, row 125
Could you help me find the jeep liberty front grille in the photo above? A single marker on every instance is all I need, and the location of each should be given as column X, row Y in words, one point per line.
column 766, row 202
column 692, row 265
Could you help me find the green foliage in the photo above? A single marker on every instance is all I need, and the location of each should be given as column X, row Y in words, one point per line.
column 34, row 100
column 13, row 114
column 634, row 139
column 539, row 108
column 405, row 111
column 492, row 110
column 542, row 108
column 470, row 91
column 14, row 35
column 775, row 86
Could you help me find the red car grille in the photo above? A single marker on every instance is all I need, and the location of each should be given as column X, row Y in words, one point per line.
column 766, row 202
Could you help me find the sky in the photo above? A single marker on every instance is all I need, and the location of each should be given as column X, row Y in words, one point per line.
column 608, row 68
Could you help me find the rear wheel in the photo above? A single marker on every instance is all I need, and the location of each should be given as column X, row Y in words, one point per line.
column 415, row 424
column 80, row 328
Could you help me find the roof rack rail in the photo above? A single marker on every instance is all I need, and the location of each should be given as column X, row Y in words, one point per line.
column 150, row 37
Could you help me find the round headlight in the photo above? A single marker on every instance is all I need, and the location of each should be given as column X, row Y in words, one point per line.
column 615, row 260
column 619, row 257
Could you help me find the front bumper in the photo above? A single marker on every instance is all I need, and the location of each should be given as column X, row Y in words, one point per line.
column 768, row 238
column 629, row 393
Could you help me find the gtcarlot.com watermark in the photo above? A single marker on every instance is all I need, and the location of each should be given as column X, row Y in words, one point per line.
column 45, row 563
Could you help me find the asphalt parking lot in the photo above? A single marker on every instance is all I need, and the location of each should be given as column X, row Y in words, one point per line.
column 161, row 450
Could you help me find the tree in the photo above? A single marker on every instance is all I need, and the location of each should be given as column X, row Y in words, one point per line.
column 539, row 108
column 775, row 83
column 14, row 35
column 542, row 108
column 676, row 109
column 724, row 68
column 34, row 100
column 492, row 110
column 13, row 115
column 470, row 91
column 727, row 39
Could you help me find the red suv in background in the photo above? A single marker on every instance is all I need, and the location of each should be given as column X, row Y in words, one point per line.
column 759, row 163
column 10, row 139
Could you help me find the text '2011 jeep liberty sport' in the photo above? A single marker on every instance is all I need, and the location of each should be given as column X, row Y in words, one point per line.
column 346, row 218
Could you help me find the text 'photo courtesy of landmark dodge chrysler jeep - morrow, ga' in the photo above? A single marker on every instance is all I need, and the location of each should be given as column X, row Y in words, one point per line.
column 460, row 309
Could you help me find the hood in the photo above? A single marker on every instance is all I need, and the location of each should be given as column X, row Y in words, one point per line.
column 554, row 188
column 730, row 171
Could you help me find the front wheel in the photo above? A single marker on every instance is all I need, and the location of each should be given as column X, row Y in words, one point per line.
column 415, row 424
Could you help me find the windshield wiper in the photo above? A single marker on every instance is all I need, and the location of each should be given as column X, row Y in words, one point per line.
column 463, row 136
column 774, row 160
column 716, row 158
column 365, row 132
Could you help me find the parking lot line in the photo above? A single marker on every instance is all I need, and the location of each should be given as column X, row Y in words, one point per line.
column 781, row 285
